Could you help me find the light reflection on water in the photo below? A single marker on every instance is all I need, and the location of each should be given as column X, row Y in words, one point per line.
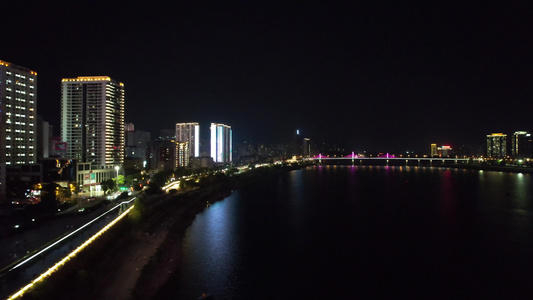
column 214, row 231
column 363, row 231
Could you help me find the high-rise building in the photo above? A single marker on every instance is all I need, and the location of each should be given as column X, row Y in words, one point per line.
column 188, row 133
column 182, row 153
column 306, row 147
column 221, row 143
column 137, row 143
column 497, row 145
column 92, row 119
column 167, row 134
column 129, row 127
column 18, row 114
column 434, row 150
column 18, row 118
column 522, row 144
column 45, row 133
column 163, row 155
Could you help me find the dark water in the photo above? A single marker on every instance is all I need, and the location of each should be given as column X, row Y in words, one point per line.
column 342, row 232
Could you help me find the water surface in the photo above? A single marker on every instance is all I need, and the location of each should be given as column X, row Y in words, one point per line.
column 359, row 232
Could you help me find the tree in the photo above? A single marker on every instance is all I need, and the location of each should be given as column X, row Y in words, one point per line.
column 63, row 193
column 108, row 185
column 231, row 171
column 74, row 188
column 153, row 189
column 48, row 195
column 160, row 178
column 129, row 180
column 119, row 180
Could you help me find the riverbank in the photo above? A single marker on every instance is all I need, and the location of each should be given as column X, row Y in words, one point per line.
column 169, row 254
column 138, row 255
column 511, row 169
column 164, row 261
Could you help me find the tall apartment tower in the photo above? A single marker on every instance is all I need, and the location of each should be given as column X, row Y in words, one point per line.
column 92, row 119
column 18, row 118
column 221, row 143
column 497, row 145
column 521, row 145
column 182, row 154
column 306, row 147
column 434, row 150
column 188, row 133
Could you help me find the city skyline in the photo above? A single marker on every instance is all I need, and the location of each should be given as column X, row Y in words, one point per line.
column 378, row 77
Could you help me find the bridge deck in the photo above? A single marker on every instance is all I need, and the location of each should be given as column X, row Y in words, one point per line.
column 392, row 158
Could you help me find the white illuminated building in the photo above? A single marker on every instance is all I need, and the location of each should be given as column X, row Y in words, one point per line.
column 92, row 119
column 521, row 144
column 188, row 133
column 221, row 143
column 18, row 117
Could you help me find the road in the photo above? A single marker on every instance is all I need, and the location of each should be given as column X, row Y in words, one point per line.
column 71, row 231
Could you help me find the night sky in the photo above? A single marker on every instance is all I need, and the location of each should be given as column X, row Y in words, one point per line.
column 378, row 77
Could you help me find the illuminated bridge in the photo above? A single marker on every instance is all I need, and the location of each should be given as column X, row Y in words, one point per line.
column 354, row 158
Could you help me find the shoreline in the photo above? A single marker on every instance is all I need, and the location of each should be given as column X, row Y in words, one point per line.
column 134, row 259
column 166, row 261
column 167, row 257
column 509, row 169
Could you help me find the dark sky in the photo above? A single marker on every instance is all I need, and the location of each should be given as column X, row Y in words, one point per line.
column 379, row 77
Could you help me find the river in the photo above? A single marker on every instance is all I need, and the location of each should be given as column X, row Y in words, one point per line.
column 360, row 232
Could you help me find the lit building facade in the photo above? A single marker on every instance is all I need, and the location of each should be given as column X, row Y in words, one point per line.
column 521, row 145
column 183, row 154
column 188, row 133
column 92, row 119
column 221, row 143
column 18, row 118
column 444, row 151
column 89, row 177
column 497, row 145
column 434, row 150
column 163, row 156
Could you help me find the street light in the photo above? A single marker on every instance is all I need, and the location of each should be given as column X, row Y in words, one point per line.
column 116, row 168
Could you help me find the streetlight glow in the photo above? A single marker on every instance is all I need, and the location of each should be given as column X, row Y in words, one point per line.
column 116, row 181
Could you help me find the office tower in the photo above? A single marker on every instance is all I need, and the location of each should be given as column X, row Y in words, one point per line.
column 221, row 143
column 182, row 154
column 521, row 144
column 163, row 155
column 188, row 133
column 497, row 145
column 18, row 118
column 92, row 119
column 137, row 143
column 434, row 150
column 45, row 133
column 306, row 147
